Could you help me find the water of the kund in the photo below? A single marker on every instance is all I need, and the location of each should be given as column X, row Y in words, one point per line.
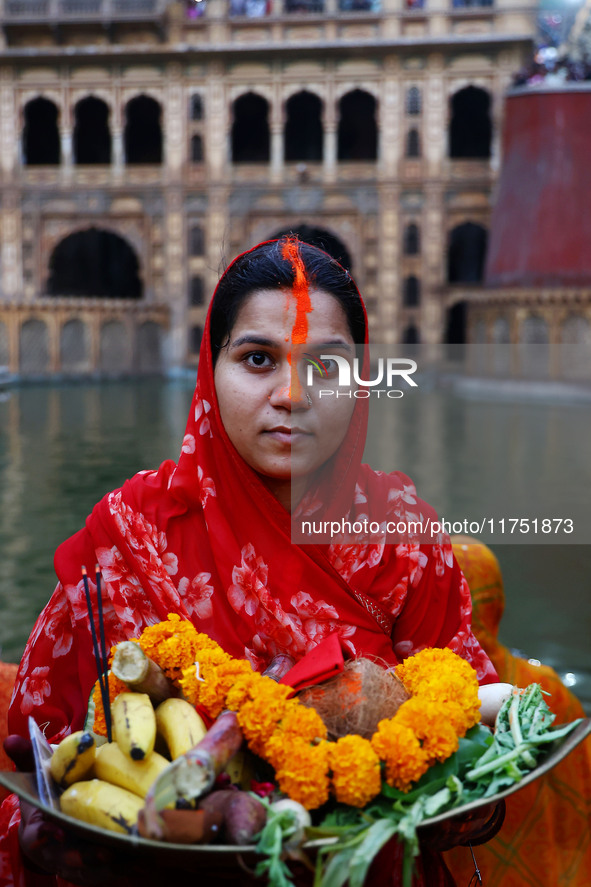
column 63, row 446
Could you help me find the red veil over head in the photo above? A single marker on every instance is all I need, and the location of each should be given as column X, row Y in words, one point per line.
column 206, row 539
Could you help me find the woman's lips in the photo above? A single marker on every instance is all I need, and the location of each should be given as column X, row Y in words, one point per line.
column 286, row 435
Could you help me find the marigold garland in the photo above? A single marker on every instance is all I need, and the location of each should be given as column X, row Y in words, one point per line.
column 291, row 737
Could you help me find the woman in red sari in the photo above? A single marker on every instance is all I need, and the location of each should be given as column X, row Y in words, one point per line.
column 208, row 537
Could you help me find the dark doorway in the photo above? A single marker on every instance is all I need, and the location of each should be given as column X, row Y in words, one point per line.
column 358, row 131
column 92, row 139
column 411, row 240
column 470, row 130
column 413, row 143
column 322, row 239
column 411, row 293
column 94, row 263
column 250, row 129
column 41, row 139
column 143, row 131
column 303, row 128
column 411, row 336
column 466, row 253
column 455, row 329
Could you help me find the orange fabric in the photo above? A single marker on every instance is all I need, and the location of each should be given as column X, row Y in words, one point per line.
column 7, row 676
column 546, row 838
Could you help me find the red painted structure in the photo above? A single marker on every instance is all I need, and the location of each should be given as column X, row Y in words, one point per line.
column 541, row 222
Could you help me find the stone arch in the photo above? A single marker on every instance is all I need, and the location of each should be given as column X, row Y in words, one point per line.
column 456, row 323
column 74, row 346
column 92, row 136
column 292, row 89
column 250, row 135
column 411, row 292
column 149, row 347
column 534, row 346
column 196, row 106
column 41, row 138
column 114, row 347
column 196, row 240
column 413, row 100
column 411, row 240
column 34, row 347
column 94, row 262
column 411, row 335
column 321, row 238
column 501, row 346
column 196, row 149
column 142, row 135
column 195, row 339
column 413, row 144
column 575, row 347
column 349, row 86
column 357, row 134
column 466, row 253
column 304, row 134
column 470, row 127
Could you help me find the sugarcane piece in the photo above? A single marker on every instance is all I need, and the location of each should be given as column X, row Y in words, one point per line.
column 140, row 673
column 193, row 774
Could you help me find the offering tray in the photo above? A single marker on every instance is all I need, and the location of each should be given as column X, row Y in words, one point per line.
column 227, row 858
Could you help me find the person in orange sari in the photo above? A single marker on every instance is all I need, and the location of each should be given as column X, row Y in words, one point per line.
column 546, row 838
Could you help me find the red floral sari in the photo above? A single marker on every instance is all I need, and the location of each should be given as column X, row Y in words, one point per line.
column 205, row 538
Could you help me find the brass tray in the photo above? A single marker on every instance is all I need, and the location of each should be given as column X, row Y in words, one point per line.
column 222, row 855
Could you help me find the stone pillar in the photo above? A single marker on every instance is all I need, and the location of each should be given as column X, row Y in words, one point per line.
column 389, row 120
column 9, row 125
column 67, row 154
column 174, row 116
column 389, row 265
column 216, row 131
column 10, row 246
column 329, row 125
column 277, row 151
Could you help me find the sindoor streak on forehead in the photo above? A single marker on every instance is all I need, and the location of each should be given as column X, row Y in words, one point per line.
column 301, row 292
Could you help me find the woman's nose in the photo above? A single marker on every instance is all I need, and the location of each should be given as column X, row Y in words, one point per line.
column 289, row 392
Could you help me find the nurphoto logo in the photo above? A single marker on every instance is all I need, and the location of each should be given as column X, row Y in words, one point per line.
column 340, row 368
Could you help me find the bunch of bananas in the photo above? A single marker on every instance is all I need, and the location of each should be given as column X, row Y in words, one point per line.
column 106, row 785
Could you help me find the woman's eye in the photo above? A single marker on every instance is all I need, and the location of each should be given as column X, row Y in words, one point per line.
column 331, row 367
column 258, row 359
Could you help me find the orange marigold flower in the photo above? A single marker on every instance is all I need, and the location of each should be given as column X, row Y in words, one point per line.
column 302, row 721
column 243, row 690
column 301, row 769
column 218, row 682
column 443, row 676
column 399, row 748
column 356, row 775
column 429, row 722
column 259, row 717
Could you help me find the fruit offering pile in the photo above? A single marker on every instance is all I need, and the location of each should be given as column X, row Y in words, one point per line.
column 164, row 775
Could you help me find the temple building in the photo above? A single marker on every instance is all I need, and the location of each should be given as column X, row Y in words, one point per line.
column 145, row 143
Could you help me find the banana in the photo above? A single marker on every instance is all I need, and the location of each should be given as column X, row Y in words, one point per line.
column 113, row 766
column 73, row 759
column 134, row 723
column 179, row 725
column 102, row 804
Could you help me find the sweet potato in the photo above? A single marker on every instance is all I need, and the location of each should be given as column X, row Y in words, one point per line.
column 215, row 806
column 245, row 817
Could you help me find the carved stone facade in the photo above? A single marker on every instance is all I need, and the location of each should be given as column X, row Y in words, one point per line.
column 394, row 208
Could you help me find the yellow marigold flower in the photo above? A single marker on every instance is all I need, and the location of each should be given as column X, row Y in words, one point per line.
column 356, row 775
column 399, row 748
column 301, row 769
column 115, row 688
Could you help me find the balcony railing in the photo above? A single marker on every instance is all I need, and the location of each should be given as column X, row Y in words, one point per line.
column 80, row 10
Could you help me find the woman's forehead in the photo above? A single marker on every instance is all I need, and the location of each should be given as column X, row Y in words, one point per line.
column 272, row 313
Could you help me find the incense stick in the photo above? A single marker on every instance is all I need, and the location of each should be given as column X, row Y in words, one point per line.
column 99, row 597
column 97, row 655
